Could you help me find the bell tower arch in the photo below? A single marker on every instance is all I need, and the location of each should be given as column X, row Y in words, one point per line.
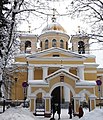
column 80, row 42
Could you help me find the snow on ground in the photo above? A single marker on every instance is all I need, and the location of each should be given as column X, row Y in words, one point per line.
column 18, row 113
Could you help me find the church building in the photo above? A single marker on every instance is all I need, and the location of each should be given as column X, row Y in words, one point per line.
column 54, row 72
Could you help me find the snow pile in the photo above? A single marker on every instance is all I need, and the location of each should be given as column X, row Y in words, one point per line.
column 96, row 114
column 17, row 114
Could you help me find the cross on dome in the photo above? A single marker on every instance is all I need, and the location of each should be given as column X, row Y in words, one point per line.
column 54, row 18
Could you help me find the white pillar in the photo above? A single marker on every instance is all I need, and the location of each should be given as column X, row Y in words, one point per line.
column 28, row 91
column 30, row 73
column 45, row 72
column 66, row 89
column 66, row 94
column 80, row 72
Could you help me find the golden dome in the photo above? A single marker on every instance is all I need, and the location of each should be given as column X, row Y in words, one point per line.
column 54, row 26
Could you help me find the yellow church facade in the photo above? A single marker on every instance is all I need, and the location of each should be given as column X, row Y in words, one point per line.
column 53, row 71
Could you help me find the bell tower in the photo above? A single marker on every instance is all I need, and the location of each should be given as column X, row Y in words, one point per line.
column 80, row 42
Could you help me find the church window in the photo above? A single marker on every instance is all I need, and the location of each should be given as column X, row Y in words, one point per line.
column 55, row 55
column 46, row 44
column 81, row 47
column 41, row 44
column 61, row 44
column 53, row 43
column 27, row 47
column 66, row 45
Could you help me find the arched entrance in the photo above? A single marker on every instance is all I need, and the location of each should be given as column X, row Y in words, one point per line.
column 58, row 98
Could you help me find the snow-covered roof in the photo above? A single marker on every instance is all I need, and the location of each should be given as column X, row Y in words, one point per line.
column 56, row 49
column 91, row 64
column 85, row 83
column 27, row 35
column 54, row 26
column 19, row 63
column 62, row 71
column 89, row 55
column 37, row 82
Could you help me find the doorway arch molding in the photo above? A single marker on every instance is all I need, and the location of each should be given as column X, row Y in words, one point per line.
column 84, row 91
column 40, row 90
column 62, row 84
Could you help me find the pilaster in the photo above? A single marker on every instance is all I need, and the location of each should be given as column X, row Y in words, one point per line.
column 80, row 72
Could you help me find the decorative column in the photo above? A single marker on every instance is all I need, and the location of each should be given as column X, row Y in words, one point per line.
column 66, row 94
column 80, row 72
column 28, row 91
column 45, row 72
column 30, row 77
column 33, row 104
column 30, row 73
column 76, row 103
column 92, row 101
column 66, row 89
column 47, row 98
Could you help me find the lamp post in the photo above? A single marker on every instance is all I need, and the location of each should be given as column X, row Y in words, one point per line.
column 25, row 85
column 99, row 83
column 16, row 88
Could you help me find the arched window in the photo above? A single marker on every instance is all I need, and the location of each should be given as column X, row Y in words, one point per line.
column 81, row 47
column 27, row 47
column 41, row 44
column 46, row 44
column 66, row 45
column 61, row 44
column 53, row 43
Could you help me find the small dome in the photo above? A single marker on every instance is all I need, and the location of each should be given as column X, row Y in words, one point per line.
column 54, row 26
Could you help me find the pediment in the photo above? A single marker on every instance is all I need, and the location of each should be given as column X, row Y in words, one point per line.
column 56, row 53
column 62, row 72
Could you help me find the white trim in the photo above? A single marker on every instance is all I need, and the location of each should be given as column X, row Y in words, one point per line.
column 84, row 91
column 89, row 65
column 56, row 49
column 62, row 84
column 100, row 74
column 40, row 90
column 62, row 71
column 84, row 86
column 56, row 59
column 62, row 74
column 57, row 65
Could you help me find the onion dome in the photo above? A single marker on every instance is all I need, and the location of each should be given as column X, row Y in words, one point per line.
column 54, row 26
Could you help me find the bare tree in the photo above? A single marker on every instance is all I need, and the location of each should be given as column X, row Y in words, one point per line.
column 13, row 12
column 90, row 11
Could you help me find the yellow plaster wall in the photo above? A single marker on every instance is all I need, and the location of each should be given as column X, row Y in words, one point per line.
column 50, row 71
column 91, row 90
column 17, row 87
column 38, row 74
column 90, row 60
column 90, row 76
column 20, row 59
column 57, row 53
column 73, row 71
